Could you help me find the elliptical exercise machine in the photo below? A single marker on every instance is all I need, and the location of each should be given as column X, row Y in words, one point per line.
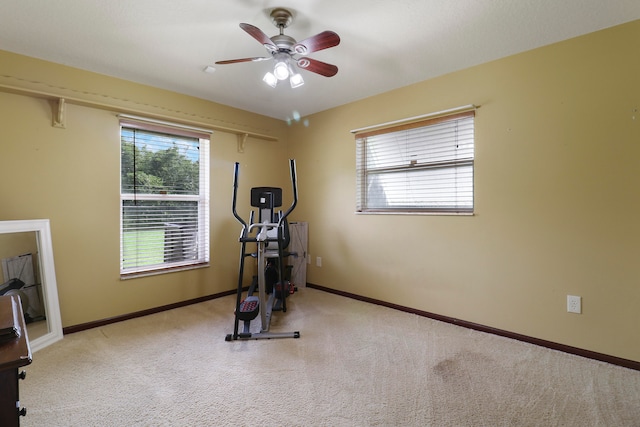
column 271, row 237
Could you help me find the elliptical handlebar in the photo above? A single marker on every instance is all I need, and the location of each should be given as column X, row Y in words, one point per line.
column 235, row 195
column 294, row 185
column 247, row 228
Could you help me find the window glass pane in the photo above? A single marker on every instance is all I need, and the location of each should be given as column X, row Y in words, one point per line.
column 156, row 232
column 442, row 188
column 160, row 163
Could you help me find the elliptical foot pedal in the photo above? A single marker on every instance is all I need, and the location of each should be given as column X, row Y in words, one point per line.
column 249, row 308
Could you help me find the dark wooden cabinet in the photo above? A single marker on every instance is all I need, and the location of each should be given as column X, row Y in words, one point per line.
column 14, row 354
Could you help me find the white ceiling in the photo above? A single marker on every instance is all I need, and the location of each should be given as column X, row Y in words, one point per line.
column 384, row 44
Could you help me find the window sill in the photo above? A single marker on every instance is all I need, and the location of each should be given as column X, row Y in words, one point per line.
column 416, row 213
column 155, row 272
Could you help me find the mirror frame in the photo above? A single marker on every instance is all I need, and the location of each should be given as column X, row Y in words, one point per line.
column 47, row 274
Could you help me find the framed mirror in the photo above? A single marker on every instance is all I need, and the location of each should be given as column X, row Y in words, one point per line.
column 27, row 269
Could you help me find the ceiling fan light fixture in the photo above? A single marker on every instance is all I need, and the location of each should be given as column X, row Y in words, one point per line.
column 270, row 79
column 296, row 80
column 281, row 70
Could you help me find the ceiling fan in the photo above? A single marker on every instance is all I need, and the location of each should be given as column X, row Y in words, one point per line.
column 288, row 53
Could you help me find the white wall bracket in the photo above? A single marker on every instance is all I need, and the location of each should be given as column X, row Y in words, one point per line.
column 58, row 114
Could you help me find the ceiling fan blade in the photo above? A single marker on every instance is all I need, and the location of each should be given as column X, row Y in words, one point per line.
column 324, row 40
column 318, row 67
column 233, row 61
column 259, row 35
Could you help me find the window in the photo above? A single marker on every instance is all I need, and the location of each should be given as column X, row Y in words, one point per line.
column 422, row 166
column 164, row 196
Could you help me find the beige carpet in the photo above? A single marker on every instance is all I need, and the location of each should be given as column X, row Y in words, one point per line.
column 356, row 364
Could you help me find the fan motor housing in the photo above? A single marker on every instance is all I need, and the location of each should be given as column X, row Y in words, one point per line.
column 283, row 42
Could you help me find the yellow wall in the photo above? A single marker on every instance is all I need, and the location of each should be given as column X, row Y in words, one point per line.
column 557, row 195
column 556, row 185
column 71, row 176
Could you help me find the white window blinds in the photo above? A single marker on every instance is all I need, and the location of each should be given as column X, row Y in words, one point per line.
column 164, row 198
column 425, row 166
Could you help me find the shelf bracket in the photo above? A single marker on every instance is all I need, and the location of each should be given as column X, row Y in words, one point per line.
column 58, row 114
column 242, row 138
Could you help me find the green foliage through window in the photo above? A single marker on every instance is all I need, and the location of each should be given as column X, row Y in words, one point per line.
column 154, row 163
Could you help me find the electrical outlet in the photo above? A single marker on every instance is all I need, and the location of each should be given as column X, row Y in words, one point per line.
column 318, row 261
column 574, row 304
